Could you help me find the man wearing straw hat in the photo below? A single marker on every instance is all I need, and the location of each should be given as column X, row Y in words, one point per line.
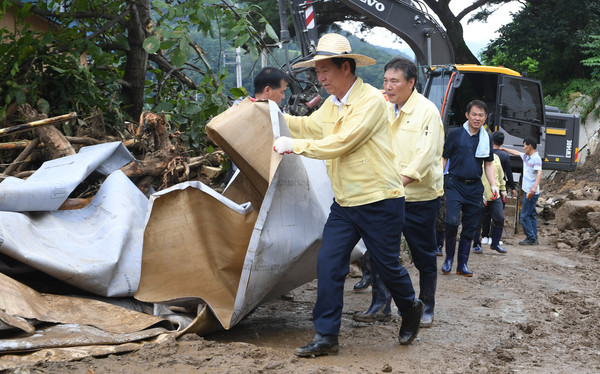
column 351, row 132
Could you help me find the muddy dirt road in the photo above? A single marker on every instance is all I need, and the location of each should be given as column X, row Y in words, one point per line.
column 533, row 310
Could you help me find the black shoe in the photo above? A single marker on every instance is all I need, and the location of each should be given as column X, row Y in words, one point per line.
column 411, row 321
column 528, row 241
column 320, row 345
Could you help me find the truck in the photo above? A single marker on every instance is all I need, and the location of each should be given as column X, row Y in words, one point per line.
column 515, row 102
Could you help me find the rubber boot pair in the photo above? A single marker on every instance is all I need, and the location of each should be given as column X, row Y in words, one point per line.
column 496, row 235
column 381, row 303
column 365, row 281
column 427, row 282
column 450, row 249
column 439, row 237
column 464, row 248
column 477, row 243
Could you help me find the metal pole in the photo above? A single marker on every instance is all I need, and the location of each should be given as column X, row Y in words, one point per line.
column 238, row 65
column 263, row 58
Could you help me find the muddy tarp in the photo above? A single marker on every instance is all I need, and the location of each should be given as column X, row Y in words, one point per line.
column 203, row 247
column 97, row 248
column 49, row 186
column 50, row 321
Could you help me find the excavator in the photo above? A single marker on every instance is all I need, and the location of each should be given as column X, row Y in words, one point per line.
column 515, row 103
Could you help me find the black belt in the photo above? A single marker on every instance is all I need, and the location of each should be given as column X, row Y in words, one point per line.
column 465, row 181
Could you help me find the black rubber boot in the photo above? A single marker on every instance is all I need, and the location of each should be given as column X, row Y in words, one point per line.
column 381, row 303
column 365, row 281
column 496, row 235
column 450, row 249
column 477, row 243
column 427, row 283
column 320, row 345
column 464, row 247
column 439, row 237
column 411, row 321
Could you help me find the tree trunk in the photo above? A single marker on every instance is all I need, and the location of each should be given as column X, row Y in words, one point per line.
column 462, row 53
column 137, row 58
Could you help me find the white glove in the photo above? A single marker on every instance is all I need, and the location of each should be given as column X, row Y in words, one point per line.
column 495, row 192
column 504, row 196
column 283, row 145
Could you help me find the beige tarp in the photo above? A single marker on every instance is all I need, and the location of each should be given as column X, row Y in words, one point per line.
column 73, row 321
column 203, row 247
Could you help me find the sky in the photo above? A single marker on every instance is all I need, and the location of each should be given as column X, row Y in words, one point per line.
column 477, row 34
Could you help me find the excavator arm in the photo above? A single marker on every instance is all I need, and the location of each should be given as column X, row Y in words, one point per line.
column 416, row 27
column 424, row 35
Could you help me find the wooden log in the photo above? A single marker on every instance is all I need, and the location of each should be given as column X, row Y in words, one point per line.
column 19, row 144
column 26, row 152
column 83, row 140
column 75, row 203
column 22, row 174
column 22, row 144
column 56, row 143
column 153, row 166
column 37, row 124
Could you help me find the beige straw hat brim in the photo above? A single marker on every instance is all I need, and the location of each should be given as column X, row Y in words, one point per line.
column 332, row 46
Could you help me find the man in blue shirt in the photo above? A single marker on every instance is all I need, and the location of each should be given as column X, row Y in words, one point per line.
column 532, row 176
column 467, row 148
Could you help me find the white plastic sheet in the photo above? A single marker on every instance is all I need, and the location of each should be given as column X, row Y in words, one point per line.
column 49, row 186
column 97, row 248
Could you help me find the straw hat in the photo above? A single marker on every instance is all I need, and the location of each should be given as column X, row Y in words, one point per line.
column 335, row 45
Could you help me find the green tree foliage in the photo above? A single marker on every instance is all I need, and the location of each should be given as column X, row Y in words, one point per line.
column 36, row 68
column 592, row 49
column 141, row 55
column 544, row 41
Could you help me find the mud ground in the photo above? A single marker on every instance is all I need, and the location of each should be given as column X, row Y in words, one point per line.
column 533, row 310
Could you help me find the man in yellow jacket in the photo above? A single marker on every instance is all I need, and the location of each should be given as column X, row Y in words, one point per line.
column 351, row 132
column 493, row 207
column 418, row 140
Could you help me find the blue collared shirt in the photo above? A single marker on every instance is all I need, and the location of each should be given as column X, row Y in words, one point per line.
column 460, row 148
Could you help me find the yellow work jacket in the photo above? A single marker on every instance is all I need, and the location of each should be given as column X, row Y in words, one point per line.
column 500, row 182
column 356, row 144
column 418, row 140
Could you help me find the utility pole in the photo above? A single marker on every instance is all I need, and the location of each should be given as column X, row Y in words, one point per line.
column 237, row 63
column 238, row 66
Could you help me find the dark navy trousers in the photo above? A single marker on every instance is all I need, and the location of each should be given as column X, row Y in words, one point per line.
column 380, row 225
column 465, row 198
column 419, row 233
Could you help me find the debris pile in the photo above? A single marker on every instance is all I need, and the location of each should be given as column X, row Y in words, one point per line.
column 142, row 235
column 160, row 159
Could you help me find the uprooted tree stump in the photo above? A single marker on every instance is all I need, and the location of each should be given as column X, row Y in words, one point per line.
column 159, row 159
